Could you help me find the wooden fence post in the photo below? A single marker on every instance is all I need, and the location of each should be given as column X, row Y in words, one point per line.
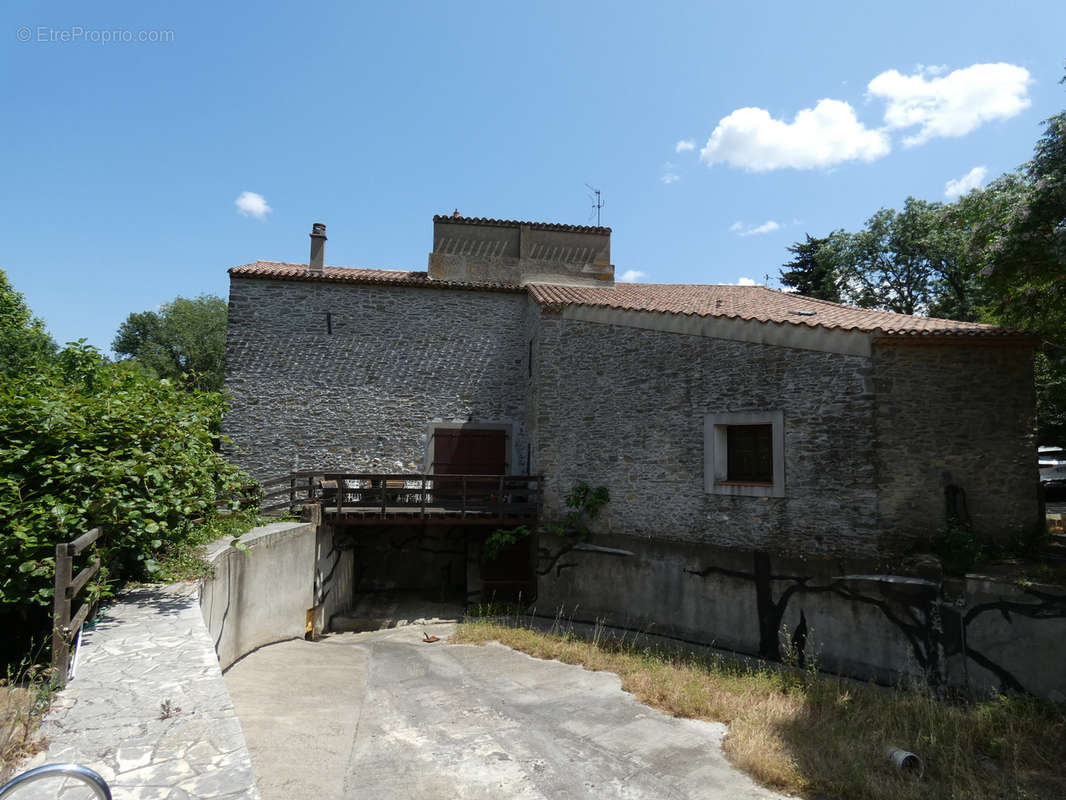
column 61, row 614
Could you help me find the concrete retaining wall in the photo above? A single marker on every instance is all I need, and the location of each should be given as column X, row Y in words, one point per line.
column 334, row 576
column 259, row 595
column 851, row 617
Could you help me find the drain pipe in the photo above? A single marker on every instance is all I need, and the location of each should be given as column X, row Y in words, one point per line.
column 905, row 761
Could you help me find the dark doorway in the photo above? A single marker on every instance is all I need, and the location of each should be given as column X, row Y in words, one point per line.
column 482, row 453
column 510, row 577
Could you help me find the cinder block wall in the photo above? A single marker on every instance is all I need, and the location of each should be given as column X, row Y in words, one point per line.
column 961, row 414
column 363, row 396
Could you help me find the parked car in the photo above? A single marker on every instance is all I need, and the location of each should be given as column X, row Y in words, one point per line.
column 1052, row 469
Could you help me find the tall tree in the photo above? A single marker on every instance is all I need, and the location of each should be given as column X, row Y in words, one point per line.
column 887, row 264
column 1024, row 243
column 812, row 272
column 24, row 342
column 184, row 341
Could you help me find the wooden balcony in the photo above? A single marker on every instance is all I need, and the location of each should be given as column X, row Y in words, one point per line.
column 390, row 498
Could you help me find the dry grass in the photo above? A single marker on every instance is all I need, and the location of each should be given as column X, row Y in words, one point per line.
column 822, row 737
column 23, row 699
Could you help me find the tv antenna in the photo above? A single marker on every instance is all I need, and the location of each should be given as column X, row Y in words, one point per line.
column 597, row 203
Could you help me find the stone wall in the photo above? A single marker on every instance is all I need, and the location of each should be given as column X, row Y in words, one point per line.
column 360, row 391
column 625, row 407
column 955, row 414
column 519, row 253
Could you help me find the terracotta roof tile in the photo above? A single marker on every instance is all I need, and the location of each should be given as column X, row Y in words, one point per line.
column 511, row 223
column 280, row 270
column 758, row 303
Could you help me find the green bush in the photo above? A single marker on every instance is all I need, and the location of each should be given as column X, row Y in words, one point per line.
column 86, row 443
column 957, row 547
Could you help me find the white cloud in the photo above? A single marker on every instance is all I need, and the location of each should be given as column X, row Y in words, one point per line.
column 669, row 177
column 931, row 69
column 755, row 230
column 685, row 146
column 631, row 276
column 823, row 136
column 952, row 105
column 746, row 282
column 252, row 205
column 971, row 180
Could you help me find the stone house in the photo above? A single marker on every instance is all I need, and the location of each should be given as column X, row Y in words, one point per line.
column 743, row 432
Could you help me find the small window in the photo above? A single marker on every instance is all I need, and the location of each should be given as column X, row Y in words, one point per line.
column 745, row 453
column 750, row 455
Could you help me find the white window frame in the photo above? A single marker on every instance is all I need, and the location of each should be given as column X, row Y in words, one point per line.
column 716, row 452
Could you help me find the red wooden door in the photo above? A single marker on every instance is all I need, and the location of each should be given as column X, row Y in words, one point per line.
column 468, row 451
column 465, row 451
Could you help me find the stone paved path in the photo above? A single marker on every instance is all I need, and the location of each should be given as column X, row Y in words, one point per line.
column 383, row 715
column 148, row 649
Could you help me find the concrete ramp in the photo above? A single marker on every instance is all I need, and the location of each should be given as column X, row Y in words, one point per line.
column 384, row 610
column 384, row 715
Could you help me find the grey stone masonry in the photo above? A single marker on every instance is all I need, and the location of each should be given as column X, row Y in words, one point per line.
column 960, row 415
column 504, row 251
column 359, row 389
column 147, row 707
column 625, row 408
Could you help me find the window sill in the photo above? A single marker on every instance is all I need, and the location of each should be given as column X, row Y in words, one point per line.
column 744, row 483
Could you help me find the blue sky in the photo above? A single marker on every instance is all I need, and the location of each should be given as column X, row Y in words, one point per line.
column 123, row 159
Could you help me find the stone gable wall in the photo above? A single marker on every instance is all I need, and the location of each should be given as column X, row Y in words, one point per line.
column 363, row 396
column 624, row 407
column 959, row 414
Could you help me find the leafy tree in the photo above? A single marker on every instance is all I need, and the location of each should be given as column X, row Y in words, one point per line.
column 1050, row 374
column 812, row 272
column 957, row 290
column 24, row 342
column 1021, row 243
column 184, row 341
column 890, row 263
column 1024, row 242
column 86, row 443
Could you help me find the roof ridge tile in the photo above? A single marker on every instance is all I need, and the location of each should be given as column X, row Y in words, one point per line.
column 510, row 223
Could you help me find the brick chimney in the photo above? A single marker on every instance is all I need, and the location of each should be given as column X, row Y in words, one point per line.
column 318, row 247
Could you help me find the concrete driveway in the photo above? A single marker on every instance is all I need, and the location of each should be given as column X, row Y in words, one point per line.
column 383, row 715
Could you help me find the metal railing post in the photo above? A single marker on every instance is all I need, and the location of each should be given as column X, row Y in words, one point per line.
column 84, row 774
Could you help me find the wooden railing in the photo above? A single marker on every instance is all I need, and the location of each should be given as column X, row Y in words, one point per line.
column 281, row 493
column 423, row 496
column 67, row 586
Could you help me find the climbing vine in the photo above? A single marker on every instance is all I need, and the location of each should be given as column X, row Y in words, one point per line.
column 584, row 502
